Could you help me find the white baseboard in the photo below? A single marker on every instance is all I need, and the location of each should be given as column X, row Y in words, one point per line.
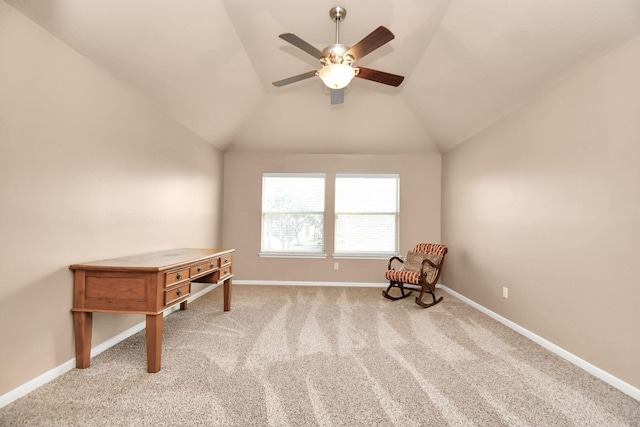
column 303, row 283
column 67, row 366
column 593, row 370
column 54, row 373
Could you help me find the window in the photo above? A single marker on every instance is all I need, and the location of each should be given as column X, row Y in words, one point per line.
column 292, row 214
column 367, row 215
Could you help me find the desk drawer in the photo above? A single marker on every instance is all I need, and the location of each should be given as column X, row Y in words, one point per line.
column 177, row 293
column 176, row 276
column 224, row 272
column 205, row 267
column 226, row 259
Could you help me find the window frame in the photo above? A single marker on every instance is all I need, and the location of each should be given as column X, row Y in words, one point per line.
column 367, row 254
column 294, row 254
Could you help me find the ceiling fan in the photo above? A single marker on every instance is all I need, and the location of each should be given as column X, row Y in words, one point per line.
column 337, row 59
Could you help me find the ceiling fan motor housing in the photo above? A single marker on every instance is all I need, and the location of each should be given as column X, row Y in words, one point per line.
column 335, row 54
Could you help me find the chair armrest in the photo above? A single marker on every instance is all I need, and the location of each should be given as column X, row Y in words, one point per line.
column 431, row 263
column 391, row 260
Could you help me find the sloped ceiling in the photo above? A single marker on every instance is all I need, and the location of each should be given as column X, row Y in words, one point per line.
column 210, row 63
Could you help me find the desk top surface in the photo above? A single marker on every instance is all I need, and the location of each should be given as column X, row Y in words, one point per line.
column 153, row 261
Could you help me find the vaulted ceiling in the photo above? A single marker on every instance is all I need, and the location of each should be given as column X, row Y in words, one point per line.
column 210, row 63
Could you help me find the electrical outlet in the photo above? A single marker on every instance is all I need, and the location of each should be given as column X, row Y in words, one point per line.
column 505, row 292
column 336, row 266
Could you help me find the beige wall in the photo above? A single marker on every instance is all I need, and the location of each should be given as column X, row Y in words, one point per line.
column 88, row 170
column 419, row 211
column 547, row 203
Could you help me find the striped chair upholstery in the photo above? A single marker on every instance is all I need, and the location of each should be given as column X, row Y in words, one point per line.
column 426, row 264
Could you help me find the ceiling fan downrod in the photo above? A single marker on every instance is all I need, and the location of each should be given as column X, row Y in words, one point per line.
column 336, row 52
column 337, row 14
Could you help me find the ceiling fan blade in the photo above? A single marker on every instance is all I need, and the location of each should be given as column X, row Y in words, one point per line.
column 294, row 79
column 374, row 40
column 380, row 76
column 337, row 96
column 301, row 44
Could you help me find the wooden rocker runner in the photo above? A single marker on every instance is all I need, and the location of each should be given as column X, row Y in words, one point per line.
column 419, row 271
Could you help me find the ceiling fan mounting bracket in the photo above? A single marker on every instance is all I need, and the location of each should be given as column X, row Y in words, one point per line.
column 338, row 13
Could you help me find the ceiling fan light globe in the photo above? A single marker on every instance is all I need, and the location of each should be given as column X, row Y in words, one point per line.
column 337, row 76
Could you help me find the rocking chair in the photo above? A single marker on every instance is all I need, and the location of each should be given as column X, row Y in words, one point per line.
column 419, row 271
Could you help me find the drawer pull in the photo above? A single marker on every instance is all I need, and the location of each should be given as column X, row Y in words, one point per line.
column 179, row 292
column 211, row 264
column 178, row 276
column 199, row 269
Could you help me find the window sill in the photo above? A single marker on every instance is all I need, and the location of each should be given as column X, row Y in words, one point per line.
column 355, row 255
column 292, row 255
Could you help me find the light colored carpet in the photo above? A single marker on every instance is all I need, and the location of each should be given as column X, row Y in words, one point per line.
column 304, row 356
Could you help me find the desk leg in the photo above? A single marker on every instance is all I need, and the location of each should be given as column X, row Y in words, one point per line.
column 154, row 342
column 82, row 324
column 227, row 294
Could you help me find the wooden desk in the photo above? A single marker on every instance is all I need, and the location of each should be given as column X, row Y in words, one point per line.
column 143, row 284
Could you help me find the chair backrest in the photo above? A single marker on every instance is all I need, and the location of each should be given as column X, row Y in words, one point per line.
column 431, row 248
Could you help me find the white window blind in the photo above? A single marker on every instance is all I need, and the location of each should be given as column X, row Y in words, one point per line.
column 367, row 213
column 292, row 214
